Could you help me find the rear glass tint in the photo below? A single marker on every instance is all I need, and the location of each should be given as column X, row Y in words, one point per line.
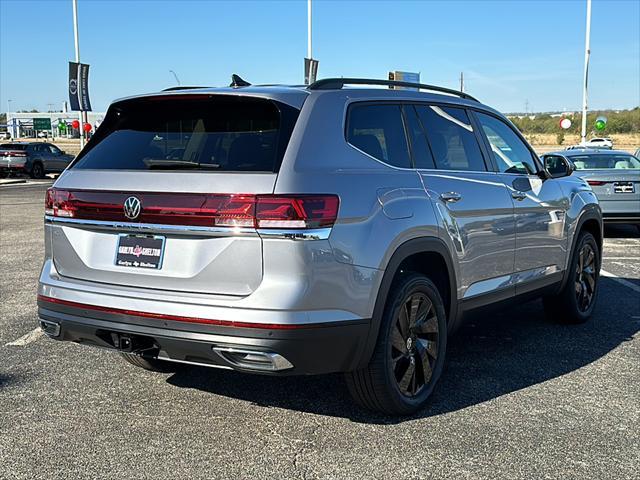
column 13, row 146
column 597, row 162
column 207, row 133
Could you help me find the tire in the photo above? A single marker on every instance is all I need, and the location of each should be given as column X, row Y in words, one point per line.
column 151, row 364
column 401, row 354
column 576, row 301
column 37, row 170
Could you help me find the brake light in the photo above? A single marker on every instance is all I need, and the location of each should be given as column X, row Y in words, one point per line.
column 196, row 209
column 57, row 203
column 304, row 211
column 596, row 182
column 15, row 154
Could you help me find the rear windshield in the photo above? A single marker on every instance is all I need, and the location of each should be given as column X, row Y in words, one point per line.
column 596, row 162
column 13, row 146
column 205, row 133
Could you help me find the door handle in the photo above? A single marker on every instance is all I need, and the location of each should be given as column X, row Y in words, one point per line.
column 517, row 195
column 450, row 197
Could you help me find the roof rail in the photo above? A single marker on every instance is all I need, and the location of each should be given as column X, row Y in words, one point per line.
column 338, row 83
column 171, row 89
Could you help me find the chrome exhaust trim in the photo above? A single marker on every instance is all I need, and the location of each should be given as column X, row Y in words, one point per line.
column 253, row 359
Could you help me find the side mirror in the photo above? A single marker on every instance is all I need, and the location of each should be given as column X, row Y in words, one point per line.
column 558, row 166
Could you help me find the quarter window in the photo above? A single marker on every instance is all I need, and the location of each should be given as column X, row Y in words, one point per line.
column 451, row 137
column 378, row 130
column 511, row 154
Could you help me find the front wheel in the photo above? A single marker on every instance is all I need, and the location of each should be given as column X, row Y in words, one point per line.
column 577, row 299
column 409, row 353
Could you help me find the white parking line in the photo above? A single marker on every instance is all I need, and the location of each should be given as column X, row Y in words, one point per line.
column 30, row 337
column 621, row 281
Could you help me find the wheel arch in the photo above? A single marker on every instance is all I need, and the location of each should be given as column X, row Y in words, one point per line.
column 591, row 221
column 432, row 257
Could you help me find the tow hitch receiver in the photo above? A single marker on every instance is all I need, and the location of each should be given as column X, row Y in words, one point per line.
column 129, row 343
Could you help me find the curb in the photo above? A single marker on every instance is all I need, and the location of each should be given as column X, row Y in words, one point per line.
column 12, row 181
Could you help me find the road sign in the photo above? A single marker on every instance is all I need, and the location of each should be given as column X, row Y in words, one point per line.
column 42, row 124
column 412, row 77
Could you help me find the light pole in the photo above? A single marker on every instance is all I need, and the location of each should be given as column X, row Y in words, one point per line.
column 176, row 77
column 77, row 45
column 587, row 53
column 309, row 29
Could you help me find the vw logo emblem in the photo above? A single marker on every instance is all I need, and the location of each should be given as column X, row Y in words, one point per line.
column 73, row 86
column 132, row 208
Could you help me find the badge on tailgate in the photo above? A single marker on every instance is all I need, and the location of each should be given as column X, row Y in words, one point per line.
column 140, row 251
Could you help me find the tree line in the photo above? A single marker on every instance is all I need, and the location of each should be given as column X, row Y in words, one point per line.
column 618, row 121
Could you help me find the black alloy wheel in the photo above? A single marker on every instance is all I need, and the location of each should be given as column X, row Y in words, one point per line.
column 414, row 344
column 585, row 278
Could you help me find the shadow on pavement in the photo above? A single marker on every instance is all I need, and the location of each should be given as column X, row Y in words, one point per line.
column 497, row 354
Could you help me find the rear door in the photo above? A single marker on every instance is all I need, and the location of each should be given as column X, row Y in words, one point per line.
column 473, row 203
column 540, row 205
column 172, row 177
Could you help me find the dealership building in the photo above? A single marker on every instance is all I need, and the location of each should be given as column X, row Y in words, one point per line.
column 54, row 124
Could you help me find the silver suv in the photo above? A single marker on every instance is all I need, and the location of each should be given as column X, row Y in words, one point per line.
column 307, row 230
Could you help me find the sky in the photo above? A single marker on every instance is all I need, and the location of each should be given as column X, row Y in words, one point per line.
column 515, row 55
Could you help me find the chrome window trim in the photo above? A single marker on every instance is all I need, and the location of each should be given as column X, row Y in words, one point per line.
column 291, row 234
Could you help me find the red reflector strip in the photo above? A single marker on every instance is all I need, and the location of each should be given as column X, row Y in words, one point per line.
column 596, row 182
column 175, row 318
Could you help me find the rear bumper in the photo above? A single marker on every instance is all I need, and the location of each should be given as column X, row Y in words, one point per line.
column 300, row 350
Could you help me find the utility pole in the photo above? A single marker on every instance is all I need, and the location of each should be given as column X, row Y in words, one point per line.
column 462, row 81
column 77, row 45
column 587, row 53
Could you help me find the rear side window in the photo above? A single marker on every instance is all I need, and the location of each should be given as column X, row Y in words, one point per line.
column 13, row 146
column 378, row 130
column 510, row 152
column 451, row 137
column 206, row 133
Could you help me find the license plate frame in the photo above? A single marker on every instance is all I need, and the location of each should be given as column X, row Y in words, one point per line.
column 130, row 251
column 624, row 187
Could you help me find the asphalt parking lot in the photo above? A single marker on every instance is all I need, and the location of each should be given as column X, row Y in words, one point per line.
column 520, row 397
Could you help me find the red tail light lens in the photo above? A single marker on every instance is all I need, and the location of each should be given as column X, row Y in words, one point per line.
column 196, row 209
column 596, row 182
column 15, row 154
column 300, row 211
column 57, row 203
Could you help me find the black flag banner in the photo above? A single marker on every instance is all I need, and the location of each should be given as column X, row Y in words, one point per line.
column 79, row 87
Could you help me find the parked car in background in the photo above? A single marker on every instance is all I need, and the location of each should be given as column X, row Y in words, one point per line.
column 35, row 159
column 5, row 136
column 599, row 143
column 614, row 176
column 291, row 230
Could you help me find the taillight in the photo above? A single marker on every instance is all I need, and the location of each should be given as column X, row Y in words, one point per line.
column 58, row 203
column 300, row 211
column 596, row 183
column 197, row 209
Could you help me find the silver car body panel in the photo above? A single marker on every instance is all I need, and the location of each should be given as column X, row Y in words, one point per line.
column 334, row 275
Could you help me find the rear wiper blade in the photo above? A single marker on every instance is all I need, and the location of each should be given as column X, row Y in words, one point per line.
column 163, row 164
